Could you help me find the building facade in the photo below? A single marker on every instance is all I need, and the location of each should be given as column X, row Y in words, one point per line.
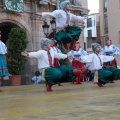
column 92, row 31
column 26, row 19
column 109, row 22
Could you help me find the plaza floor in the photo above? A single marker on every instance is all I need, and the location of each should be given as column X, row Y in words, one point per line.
column 69, row 102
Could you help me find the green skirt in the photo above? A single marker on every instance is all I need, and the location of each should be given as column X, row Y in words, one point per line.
column 108, row 73
column 56, row 75
column 69, row 34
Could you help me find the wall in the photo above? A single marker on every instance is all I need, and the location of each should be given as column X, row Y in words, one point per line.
column 114, row 22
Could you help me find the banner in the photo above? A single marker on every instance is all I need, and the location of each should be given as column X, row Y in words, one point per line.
column 14, row 5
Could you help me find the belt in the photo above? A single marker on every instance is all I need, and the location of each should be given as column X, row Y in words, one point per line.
column 42, row 70
column 62, row 28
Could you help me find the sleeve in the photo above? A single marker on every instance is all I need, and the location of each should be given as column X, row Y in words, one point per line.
column 59, row 51
column 116, row 50
column 77, row 18
column 84, row 52
column 107, row 58
column 60, row 55
column 55, row 14
column 3, row 48
column 33, row 78
column 102, row 51
column 70, row 54
column 35, row 54
column 86, row 59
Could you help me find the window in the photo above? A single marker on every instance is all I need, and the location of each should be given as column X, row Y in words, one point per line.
column 119, row 36
column 89, row 22
column 106, row 24
column 89, row 33
column 119, row 4
column 105, row 5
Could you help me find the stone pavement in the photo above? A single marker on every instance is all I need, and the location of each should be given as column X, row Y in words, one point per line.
column 68, row 102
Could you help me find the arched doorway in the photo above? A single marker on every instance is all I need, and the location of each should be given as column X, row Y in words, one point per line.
column 5, row 28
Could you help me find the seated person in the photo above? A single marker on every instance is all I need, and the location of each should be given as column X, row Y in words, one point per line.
column 37, row 78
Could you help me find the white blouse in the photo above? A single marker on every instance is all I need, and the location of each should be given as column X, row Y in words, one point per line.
column 110, row 49
column 3, row 48
column 77, row 54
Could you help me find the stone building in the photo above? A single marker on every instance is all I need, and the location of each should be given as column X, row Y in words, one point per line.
column 11, row 17
column 92, row 30
column 109, row 22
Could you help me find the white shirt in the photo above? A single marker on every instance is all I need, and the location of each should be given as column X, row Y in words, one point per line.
column 42, row 57
column 61, row 17
column 94, row 61
column 55, row 49
column 37, row 79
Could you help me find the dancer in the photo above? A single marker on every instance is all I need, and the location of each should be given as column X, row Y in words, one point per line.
column 55, row 49
column 66, row 33
column 3, row 68
column 109, row 50
column 96, row 66
column 76, row 53
column 52, row 75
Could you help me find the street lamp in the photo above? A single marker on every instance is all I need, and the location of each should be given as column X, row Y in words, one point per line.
column 45, row 28
column 53, row 25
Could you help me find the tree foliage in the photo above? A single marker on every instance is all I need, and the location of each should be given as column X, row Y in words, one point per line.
column 17, row 42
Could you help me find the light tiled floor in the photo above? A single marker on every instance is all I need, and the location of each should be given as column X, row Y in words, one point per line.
column 69, row 102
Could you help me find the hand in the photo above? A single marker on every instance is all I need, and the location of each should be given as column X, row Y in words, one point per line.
column 24, row 54
column 115, row 56
column 85, row 16
column 77, row 59
column 38, row 13
column 70, row 57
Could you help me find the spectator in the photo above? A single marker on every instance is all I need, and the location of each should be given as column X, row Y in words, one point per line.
column 37, row 79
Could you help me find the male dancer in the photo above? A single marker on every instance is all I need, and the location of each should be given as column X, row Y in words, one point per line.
column 52, row 75
column 55, row 49
column 66, row 33
column 96, row 65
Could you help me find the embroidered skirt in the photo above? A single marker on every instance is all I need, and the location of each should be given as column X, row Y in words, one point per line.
column 3, row 68
column 68, row 34
column 56, row 75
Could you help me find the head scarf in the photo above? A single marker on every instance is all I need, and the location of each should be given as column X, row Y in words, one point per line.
column 44, row 42
column 78, row 47
column 94, row 46
column 64, row 4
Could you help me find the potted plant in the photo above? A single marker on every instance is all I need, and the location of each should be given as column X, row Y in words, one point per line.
column 17, row 42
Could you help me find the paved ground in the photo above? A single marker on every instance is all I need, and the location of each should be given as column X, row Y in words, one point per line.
column 70, row 102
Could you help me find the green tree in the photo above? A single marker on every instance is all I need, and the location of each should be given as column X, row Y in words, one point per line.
column 17, row 42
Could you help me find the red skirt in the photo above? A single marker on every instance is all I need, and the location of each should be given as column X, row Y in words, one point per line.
column 111, row 63
column 77, row 64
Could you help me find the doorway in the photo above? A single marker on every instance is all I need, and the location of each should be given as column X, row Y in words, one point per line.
column 5, row 29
